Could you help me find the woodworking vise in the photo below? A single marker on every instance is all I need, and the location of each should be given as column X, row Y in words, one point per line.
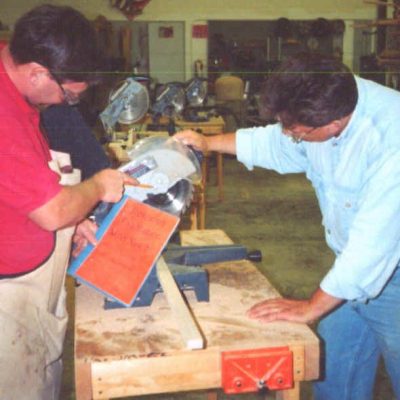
column 258, row 370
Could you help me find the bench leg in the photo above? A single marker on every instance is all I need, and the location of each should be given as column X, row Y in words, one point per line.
column 212, row 395
column 290, row 394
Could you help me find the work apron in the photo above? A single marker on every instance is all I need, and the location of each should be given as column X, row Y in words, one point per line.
column 33, row 322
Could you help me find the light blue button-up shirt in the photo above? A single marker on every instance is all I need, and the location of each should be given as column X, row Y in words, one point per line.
column 356, row 177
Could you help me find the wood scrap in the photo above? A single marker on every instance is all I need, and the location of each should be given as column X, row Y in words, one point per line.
column 188, row 327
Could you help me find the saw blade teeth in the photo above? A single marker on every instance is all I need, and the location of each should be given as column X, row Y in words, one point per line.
column 176, row 200
column 189, row 199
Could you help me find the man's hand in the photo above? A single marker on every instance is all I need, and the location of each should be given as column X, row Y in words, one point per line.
column 283, row 309
column 222, row 143
column 111, row 183
column 303, row 311
column 85, row 233
column 194, row 139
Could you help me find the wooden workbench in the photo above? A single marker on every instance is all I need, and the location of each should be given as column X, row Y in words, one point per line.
column 137, row 351
column 214, row 126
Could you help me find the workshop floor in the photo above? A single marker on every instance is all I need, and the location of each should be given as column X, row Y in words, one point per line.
column 278, row 215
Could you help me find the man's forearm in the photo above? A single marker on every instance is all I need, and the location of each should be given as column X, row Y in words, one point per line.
column 225, row 143
column 322, row 303
column 73, row 203
column 70, row 206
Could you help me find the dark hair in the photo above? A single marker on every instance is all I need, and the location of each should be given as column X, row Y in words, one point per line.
column 61, row 39
column 309, row 89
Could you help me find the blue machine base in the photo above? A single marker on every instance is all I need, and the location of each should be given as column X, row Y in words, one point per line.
column 186, row 277
column 185, row 263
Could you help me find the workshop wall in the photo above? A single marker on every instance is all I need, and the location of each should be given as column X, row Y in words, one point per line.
column 196, row 12
column 190, row 10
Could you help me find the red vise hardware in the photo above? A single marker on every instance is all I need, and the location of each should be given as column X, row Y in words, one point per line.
column 253, row 370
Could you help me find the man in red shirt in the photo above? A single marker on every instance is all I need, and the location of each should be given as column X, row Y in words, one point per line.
column 52, row 58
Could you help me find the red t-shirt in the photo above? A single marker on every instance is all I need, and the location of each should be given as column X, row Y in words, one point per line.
column 26, row 182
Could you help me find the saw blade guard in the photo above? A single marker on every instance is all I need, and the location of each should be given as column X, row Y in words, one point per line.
column 169, row 168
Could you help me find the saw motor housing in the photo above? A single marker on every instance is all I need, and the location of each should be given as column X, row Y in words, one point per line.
column 168, row 168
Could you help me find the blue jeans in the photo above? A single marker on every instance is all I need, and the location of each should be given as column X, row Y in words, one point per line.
column 355, row 336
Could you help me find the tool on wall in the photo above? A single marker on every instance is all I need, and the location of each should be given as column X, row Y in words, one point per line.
column 198, row 68
column 130, row 8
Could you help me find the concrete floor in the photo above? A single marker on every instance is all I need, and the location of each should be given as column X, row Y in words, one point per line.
column 278, row 215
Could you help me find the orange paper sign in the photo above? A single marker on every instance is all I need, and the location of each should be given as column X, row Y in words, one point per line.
column 132, row 238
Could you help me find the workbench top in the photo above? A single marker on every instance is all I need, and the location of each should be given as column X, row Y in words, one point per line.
column 145, row 342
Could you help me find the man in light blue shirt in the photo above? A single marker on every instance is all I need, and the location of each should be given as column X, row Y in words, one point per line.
column 343, row 132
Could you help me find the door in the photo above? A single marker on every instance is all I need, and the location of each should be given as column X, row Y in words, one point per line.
column 166, row 51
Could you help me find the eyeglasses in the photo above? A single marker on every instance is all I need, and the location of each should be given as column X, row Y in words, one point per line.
column 296, row 136
column 69, row 97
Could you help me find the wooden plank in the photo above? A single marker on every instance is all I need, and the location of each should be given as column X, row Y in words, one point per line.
column 213, row 126
column 298, row 363
column 188, row 327
column 206, row 237
column 83, row 379
column 184, row 372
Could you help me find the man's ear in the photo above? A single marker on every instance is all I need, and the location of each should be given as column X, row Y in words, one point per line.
column 37, row 74
column 335, row 126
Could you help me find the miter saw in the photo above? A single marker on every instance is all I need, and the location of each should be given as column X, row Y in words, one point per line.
column 196, row 94
column 169, row 102
column 166, row 170
column 181, row 99
column 127, row 104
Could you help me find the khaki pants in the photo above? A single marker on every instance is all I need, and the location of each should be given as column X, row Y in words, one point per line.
column 33, row 321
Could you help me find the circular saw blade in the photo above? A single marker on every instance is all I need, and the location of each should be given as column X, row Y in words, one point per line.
column 175, row 201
